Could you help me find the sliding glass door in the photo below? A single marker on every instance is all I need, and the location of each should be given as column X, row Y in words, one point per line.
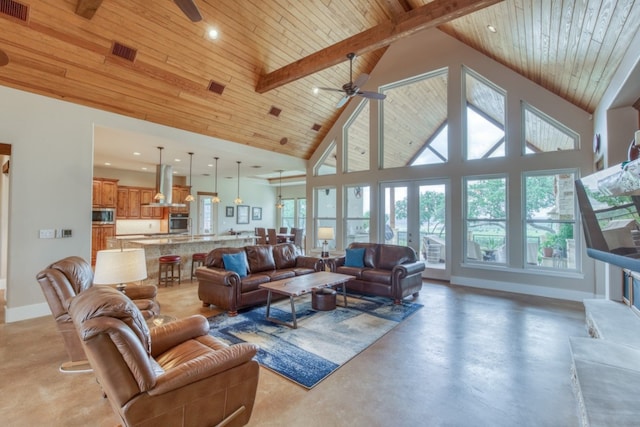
column 415, row 214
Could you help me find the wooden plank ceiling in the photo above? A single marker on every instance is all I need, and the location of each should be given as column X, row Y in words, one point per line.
column 253, row 84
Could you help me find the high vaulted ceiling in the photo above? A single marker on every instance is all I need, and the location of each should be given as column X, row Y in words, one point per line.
column 270, row 54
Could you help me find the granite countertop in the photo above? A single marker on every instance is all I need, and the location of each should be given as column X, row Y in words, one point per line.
column 190, row 239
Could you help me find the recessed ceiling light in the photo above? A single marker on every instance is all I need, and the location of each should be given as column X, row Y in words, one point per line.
column 176, row 160
column 144, row 168
column 213, row 34
column 135, row 153
column 107, row 164
column 315, row 90
column 492, row 28
column 210, row 165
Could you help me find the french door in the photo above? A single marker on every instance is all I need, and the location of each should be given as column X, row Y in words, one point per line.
column 416, row 214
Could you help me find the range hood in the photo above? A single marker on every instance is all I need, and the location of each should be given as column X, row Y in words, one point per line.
column 164, row 185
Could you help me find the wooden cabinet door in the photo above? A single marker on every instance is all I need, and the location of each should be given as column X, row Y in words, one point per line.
column 96, row 235
column 122, row 208
column 134, row 203
column 96, row 193
column 109, row 194
column 146, row 197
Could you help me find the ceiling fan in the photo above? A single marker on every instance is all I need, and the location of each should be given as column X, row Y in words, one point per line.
column 189, row 8
column 352, row 88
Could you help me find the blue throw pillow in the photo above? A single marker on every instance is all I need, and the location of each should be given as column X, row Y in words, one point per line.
column 354, row 258
column 235, row 262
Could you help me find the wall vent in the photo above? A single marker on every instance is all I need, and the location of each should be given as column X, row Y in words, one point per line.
column 215, row 87
column 275, row 111
column 316, row 127
column 14, row 9
column 123, row 51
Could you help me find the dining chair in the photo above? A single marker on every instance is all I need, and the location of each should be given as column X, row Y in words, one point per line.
column 262, row 236
column 284, row 230
column 272, row 239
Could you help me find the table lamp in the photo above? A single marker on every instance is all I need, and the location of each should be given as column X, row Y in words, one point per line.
column 120, row 266
column 325, row 233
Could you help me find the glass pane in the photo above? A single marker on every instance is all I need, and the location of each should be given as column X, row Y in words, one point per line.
column 543, row 134
column 550, row 196
column 327, row 166
column 412, row 114
column 486, row 220
column 436, row 150
column 395, row 215
column 485, row 118
column 288, row 213
column 356, row 140
column 302, row 213
column 326, row 213
column 358, row 210
column 551, row 244
column 432, row 225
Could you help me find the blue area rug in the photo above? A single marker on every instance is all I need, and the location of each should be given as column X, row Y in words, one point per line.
column 324, row 340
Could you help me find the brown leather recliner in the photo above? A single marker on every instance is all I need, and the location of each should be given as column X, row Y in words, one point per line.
column 68, row 277
column 171, row 375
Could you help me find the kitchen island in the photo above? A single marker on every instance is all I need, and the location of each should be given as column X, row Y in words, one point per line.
column 183, row 245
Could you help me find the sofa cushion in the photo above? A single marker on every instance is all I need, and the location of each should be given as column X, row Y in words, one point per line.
column 370, row 253
column 236, row 262
column 354, row 257
column 391, row 255
column 251, row 282
column 352, row 271
column 285, row 255
column 260, row 258
column 280, row 274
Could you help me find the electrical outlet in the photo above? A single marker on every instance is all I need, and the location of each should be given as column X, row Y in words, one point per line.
column 49, row 233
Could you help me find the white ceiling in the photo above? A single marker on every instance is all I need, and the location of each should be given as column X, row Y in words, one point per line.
column 117, row 147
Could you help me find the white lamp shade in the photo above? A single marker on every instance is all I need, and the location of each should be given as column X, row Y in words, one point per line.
column 325, row 233
column 115, row 266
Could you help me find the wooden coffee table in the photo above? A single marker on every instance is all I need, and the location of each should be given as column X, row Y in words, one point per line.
column 300, row 285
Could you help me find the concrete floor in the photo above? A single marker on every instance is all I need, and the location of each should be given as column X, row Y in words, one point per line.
column 468, row 358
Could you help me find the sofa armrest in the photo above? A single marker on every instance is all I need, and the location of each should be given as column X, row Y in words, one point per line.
column 171, row 334
column 141, row 291
column 217, row 276
column 317, row 264
column 204, row 366
column 404, row 270
column 334, row 263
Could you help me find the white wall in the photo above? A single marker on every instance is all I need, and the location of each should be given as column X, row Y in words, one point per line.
column 433, row 50
column 50, row 186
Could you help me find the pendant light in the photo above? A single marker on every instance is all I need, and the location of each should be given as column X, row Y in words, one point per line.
column 238, row 200
column 159, row 196
column 279, row 205
column 215, row 198
column 189, row 197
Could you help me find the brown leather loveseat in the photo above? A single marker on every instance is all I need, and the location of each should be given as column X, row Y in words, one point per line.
column 380, row 269
column 226, row 289
column 175, row 374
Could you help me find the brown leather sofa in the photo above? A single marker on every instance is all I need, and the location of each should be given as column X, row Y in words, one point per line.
column 68, row 277
column 265, row 263
column 387, row 270
column 175, row 374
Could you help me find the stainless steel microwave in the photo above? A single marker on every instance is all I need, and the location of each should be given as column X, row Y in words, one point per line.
column 103, row 216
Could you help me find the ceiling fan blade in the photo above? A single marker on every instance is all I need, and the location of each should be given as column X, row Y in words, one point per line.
column 372, row 95
column 361, row 80
column 189, row 8
column 331, row 89
column 342, row 101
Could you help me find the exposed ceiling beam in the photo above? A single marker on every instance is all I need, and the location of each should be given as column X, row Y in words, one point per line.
column 428, row 16
column 87, row 8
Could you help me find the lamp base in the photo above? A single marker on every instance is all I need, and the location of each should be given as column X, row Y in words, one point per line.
column 324, row 254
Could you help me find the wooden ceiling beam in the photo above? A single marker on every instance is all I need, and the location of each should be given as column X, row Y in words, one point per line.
column 87, row 8
column 430, row 15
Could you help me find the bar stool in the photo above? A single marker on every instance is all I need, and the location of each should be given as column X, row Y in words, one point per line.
column 168, row 263
column 197, row 260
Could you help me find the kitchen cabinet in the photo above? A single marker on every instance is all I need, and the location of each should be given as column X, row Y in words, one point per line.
column 104, row 192
column 132, row 201
column 148, row 212
column 99, row 236
column 178, row 194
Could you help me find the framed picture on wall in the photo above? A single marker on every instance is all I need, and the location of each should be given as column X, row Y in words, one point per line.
column 229, row 211
column 256, row 214
column 243, row 214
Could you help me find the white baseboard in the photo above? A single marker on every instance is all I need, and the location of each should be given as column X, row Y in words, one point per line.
column 26, row 312
column 519, row 288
